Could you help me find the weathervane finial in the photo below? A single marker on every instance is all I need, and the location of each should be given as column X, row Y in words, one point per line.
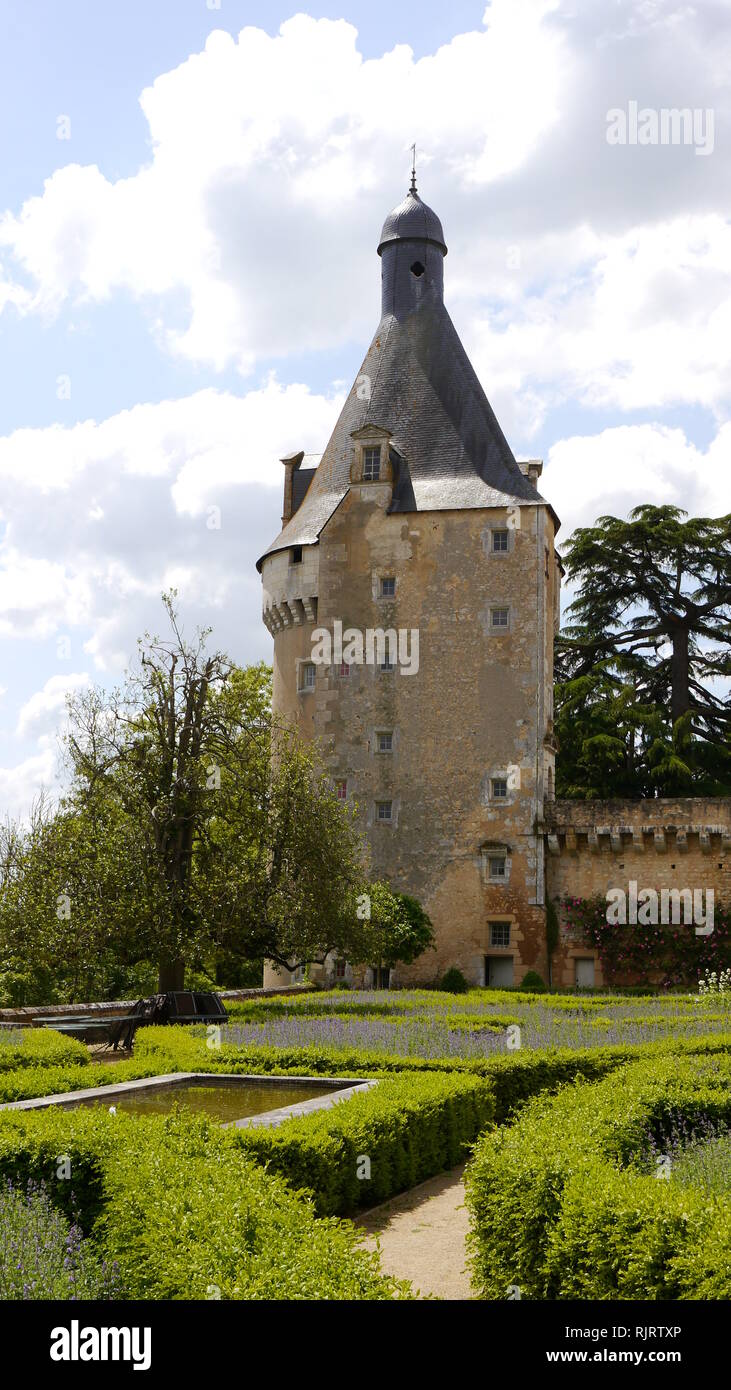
column 413, row 169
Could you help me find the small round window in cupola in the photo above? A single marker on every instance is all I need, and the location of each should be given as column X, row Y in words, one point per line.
column 417, row 269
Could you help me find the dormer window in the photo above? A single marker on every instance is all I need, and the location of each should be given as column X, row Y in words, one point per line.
column 372, row 463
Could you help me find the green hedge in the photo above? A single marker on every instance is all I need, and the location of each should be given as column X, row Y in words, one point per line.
column 186, row 1213
column 39, row 1047
column 561, row 1209
column 408, row 1128
column 516, row 1076
column 29, row 1082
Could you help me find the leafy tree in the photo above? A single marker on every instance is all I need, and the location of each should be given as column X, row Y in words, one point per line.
column 640, row 708
column 398, row 930
column 192, row 831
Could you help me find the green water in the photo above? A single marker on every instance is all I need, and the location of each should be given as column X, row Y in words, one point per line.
column 220, row 1102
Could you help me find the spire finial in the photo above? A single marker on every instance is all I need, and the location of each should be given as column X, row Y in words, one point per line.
column 413, row 169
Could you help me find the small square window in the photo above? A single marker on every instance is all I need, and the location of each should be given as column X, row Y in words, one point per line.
column 499, row 788
column 372, row 463
column 385, row 742
column 496, row 866
column 341, row 789
column 296, row 555
column 499, row 617
column 500, row 540
column 307, row 675
column 344, row 669
column 499, row 933
column 388, row 588
column 384, row 810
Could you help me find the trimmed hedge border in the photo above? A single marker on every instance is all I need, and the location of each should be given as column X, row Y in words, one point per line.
column 559, row 1211
column 186, row 1213
column 378, row 1143
column 515, row 1076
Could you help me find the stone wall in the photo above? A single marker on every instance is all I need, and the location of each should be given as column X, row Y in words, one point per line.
column 479, row 708
column 596, row 846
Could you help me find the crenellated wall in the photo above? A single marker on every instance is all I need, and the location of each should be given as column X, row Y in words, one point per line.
column 596, row 846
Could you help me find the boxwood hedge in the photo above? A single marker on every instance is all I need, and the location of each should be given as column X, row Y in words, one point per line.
column 561, row 1207
column 185, row 1212
column 380, row 1142
column 514, row 1076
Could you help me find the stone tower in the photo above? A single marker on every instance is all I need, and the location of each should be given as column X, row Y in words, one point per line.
column 418, row 521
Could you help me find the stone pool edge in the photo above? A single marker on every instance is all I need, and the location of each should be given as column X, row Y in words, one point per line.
column 342, row 1087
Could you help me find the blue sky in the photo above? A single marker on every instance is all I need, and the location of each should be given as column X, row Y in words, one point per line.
column 189, row 281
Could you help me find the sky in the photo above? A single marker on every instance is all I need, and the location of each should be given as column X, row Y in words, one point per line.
column 190, row 199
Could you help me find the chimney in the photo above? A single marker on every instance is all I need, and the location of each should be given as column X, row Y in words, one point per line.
column 291, row 462
column 532, row 469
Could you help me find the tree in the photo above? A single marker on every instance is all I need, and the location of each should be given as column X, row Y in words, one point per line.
column 640, row 709
column 192, row 827
column 397, row 931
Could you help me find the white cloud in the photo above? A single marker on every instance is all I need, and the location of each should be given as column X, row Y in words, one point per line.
column 588, row 476
column 100, row 518
column 20, row 785
column 274, row 158
column 42, row 713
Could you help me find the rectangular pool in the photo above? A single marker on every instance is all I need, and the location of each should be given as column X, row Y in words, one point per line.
column 231, row 1099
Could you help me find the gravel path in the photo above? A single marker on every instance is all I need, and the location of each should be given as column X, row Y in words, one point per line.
column 422, row 1236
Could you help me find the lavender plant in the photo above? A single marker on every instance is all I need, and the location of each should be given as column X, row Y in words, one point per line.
column 45, row 1256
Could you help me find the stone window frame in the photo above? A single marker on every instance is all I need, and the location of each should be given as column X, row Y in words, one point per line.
column 304, row 662
column 384, row 752
column 500, row 774
column 500, row 629
column 339, row 782
column 492, row 925
column 497, row 781
column 378, row 818
column 371, row 437
column 493, row 850
column 501, row 531
column 387, row 579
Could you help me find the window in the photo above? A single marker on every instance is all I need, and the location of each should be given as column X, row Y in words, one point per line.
column 499, row 617
column 499, row 933
column 388, row 588
column 341, row 789
column 384, row 810
column 499, row 788
column 417, row 269
column 296, row 555
column 385, row 741
column 339, row 971
column 372, row 463
column 344, row 669
column 496, row 866
column 307, row 675
column 500, row 540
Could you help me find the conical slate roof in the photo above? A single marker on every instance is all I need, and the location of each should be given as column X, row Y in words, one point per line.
column 447, row 448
